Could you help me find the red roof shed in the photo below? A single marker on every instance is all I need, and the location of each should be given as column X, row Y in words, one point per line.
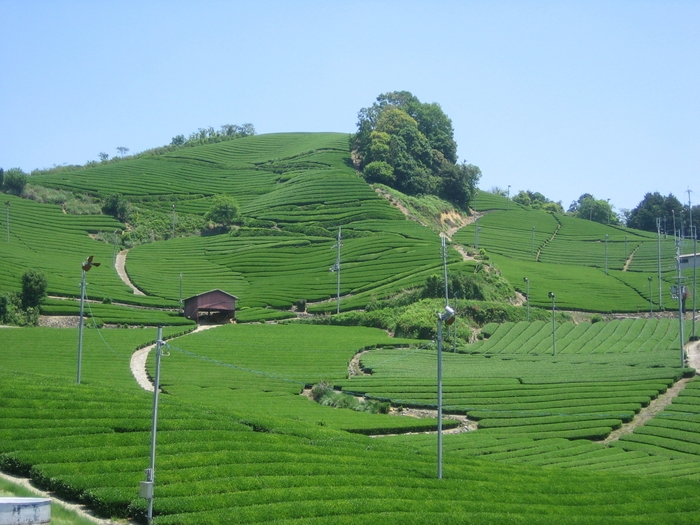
column 218, row 302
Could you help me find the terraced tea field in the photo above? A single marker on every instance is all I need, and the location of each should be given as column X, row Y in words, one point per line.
column 234, row 448
column 570, row 256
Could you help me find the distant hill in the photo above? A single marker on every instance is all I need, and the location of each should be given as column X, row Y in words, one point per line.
column 295, row 191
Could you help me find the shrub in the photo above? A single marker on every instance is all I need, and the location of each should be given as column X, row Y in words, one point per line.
column 14, row 181
column 596, row 318
column 34, row 286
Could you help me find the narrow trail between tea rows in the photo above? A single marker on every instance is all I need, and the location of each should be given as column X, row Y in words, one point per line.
column 139, row 358
column 120, row 266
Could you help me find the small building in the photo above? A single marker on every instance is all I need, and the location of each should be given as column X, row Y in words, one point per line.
column 690, row 260
column 217, row 304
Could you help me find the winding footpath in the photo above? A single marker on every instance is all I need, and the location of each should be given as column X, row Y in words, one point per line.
column 120, row 266
column 139, row 358
column 692, row 350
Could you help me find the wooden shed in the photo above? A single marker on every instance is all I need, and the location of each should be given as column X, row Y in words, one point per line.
column 217, row 304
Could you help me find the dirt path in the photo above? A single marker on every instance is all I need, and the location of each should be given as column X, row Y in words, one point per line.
column 657, row 405
column 629, row 260
column 81, row 510
column 139, row 358
column 120, row 265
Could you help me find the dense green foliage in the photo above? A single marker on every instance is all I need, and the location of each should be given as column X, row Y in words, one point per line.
column 537, row 201
column 655, row 206
column 409, row 145
column 13, row 181
column 598, row 210
column 34, row 285
column 224, row 210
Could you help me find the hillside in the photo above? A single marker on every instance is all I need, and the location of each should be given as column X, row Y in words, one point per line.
column 295, row 190
column 547, row 421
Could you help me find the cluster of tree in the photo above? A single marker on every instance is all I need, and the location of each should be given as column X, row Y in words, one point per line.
column 22, row 308
column 224, row 211
column 13, row 181
column 409, row 145
column 670, row 212
column 538, row 201
column 210, row 135
column 598, row 210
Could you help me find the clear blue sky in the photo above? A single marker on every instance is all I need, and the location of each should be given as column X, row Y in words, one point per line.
column 559, row 97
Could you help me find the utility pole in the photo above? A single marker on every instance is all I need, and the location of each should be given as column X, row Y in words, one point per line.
column 336, row 268
column 527, row 297
column 180, row 302
column 444, row 265
column 86, row 265
column 680, row 299
column 146, row 487
column 650, row 299
column 7, row 219
column 447, row 317
column 174, row 218
column 658, row 240
column 694, row 234
column 606, row 254
column 554, row 325
column 114, row 249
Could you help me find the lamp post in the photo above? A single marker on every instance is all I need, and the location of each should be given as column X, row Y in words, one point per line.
column 606, row 254
column 447, row 317
column 554, row 326
column 508, row 197
column 86, row 265
column 650, row 299
column 527, row 296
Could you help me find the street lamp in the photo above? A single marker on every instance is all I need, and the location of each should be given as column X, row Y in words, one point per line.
column 527, row 297
column 554, row 326
column 447, row 317
column 86, row 265
column 650, row 299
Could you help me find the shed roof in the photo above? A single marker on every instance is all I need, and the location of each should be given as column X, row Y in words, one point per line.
column 210, row 291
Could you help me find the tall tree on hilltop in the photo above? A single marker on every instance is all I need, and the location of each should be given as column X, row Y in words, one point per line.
column 410, row 145
column 653, row 206
column 598, row 210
